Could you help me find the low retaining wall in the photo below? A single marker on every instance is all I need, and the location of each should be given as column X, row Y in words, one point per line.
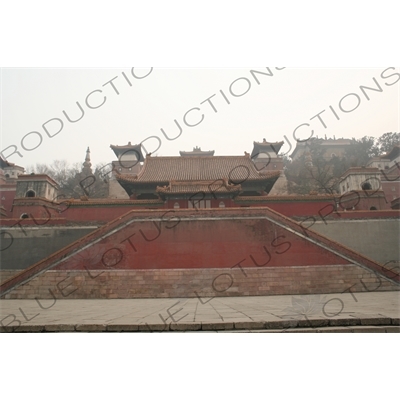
column 24, row 247
column 202, row 282
column 377, row 239
column 7, row 274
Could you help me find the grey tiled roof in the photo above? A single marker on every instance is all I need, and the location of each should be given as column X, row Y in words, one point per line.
column 236, row 169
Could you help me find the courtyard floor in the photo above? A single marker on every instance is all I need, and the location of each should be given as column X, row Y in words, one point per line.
column 346, row 312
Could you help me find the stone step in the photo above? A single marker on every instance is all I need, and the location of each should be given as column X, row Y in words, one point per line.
column 379, row 325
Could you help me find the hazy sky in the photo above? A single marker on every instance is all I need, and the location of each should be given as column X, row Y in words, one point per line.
column 270, row 109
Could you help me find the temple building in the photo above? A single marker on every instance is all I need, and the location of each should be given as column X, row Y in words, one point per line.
column 179, row 226
column 332, row 147
column 388, row 161
column 129, row 158
column 265, row 156
column 9, row 174
column 196, row 178
column 205, row 181
column 380, row 178
column 389, row 166
column 128, row 163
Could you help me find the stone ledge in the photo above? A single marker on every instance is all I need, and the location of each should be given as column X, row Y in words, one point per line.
column 381, row 324
column 91, row 328
column 60, row 328
column 123, row 328
column 393, row 329
column 282, row 324
column 344, row 322
column 185, row 326
column 217, row 326
column 311, row 323
column 375, row 321
column 153, row 327
column 249, row 325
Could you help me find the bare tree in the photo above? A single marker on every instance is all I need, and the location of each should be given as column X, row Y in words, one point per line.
column 387, row 141
column 73, row 182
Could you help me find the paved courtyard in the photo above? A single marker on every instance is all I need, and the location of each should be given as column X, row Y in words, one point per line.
column 349, row 312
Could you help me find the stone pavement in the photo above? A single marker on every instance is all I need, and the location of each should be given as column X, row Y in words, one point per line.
column 346, row 312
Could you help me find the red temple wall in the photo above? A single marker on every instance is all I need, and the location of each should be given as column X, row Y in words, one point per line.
column 391, row 190
column 6, row 198
column 197, row 243
column 321, row 209
column 213, row 252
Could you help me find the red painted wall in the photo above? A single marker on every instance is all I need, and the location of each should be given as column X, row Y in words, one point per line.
column 72, row 214
column 391, row 190
column 201, row 244
column 214, row 203
column 96, row 213
column 100, row 214
column 6, row 198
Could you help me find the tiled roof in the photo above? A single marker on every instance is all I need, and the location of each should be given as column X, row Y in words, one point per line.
column 37, row 177
column 111, row 202
column 131, row 149
column 236, row 169
column 199, row 187
column 335, row 142
column 4, row 163
column 262, row 147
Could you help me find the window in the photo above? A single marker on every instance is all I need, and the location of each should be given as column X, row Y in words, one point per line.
column 343, row 188
column 24, row 216
column 221, row 204
column 176, row 205
column 347, row 185
column 373, row 208
column 199, row 204
column 366, row 186
column 30, row 193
